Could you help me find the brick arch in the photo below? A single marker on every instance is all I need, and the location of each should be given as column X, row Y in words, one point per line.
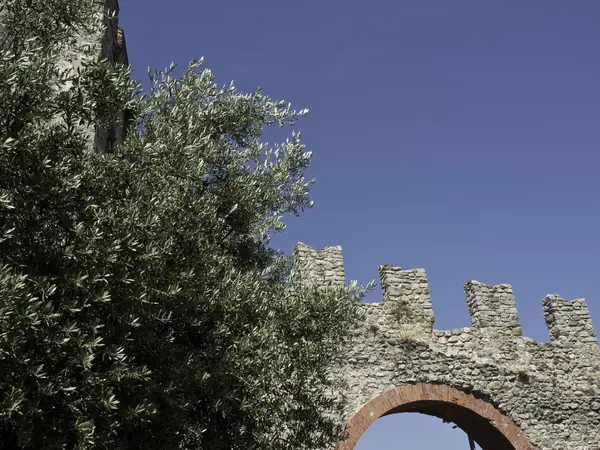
column 485, row 424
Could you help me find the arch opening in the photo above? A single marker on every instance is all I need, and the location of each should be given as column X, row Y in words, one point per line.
column 479, row 428
column 414, row 431
column 489, row 428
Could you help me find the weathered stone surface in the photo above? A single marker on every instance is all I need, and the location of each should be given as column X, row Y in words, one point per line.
column 550, row 392
column 114, row 48
column 109, row 41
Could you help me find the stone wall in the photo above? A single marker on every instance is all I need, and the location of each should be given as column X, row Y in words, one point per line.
column 109, row 41
column 550, row 391
column 114, row 48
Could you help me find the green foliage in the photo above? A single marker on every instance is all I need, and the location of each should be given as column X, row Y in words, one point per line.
column 140, row 304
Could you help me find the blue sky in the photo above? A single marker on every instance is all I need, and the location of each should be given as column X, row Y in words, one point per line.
column 461, row 137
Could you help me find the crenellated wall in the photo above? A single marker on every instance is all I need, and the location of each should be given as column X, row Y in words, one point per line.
column 550, row 391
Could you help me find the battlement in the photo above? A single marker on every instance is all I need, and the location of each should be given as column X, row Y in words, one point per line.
column 406, row 293
column 492, row 306
column 568, row 321
column 321, row 268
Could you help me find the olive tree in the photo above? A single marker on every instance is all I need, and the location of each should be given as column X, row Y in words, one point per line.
column 140, row 303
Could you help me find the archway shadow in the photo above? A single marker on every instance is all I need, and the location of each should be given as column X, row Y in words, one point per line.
column 480, row 420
